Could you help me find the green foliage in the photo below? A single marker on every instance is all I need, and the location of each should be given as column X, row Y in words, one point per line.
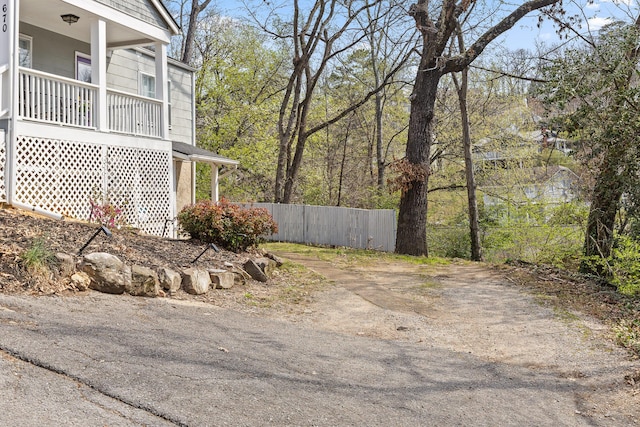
column 38, row 257
column 625, row 265
column 628, row 334
column 231, row 226
column 449, row 242
column 594, row 93
column 545, row 244
column 237, row 104
column 568, row 214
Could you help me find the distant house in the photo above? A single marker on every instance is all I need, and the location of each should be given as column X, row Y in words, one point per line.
column 91, row 107
column 551, row 185
column 548, row 139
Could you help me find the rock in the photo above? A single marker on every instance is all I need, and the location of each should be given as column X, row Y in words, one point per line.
column 170, row 280
column 195, row 281
column 276, row 258
column 267, row 265
column 144, row 282
column 255, row 271
column 107, row 273
column 240, row 276
column 221, row 279
column 66, row 264
column 238, row 279
column 80, row 280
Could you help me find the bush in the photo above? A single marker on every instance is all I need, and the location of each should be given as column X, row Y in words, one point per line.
column 227, row 224
column 449, row 242
column 106, row 214
column 625, row 265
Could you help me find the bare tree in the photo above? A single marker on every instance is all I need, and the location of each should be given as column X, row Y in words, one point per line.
column 327, row 32
column 197, row 7
column 385, row 52
column 436, row 36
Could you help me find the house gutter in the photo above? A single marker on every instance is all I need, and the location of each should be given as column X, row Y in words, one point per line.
column 36, row 210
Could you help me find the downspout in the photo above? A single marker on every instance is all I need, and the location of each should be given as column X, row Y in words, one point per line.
column 36, row 210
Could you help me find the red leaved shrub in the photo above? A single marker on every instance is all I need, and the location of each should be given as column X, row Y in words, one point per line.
column 231, row 226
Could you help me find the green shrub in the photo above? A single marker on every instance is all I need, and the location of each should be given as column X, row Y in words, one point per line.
column 449, row 242
column 229, row 225
column 625, row 265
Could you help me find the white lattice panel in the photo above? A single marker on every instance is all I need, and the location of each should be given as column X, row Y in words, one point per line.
column 62, row 176
column 139, row 184
column 3, row 160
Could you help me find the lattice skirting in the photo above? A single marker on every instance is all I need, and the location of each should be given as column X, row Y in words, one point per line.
column 62, row 176
column 3, row 161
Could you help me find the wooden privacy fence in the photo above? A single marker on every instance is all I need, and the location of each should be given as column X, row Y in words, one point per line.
column 333, row 226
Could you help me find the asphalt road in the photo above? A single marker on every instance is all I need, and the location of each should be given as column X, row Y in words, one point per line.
column 99, row 360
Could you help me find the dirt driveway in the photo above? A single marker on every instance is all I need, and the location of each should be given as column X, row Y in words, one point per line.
column 474, row 310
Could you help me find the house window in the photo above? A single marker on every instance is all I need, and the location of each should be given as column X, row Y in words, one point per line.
column 83, row 67
column 147, row 85
column 169, row 101
column 25, row 51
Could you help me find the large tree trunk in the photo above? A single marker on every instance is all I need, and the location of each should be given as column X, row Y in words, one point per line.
column 602, row 214
column 196, row 9
column 411, row 237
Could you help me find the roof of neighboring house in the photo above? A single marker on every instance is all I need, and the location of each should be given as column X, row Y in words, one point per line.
column 545, row 173
column 191, row 152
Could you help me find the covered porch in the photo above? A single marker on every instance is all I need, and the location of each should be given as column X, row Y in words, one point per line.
column 185, row 157
column 81, row 92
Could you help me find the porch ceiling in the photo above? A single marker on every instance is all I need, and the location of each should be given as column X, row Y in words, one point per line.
column 46, row 14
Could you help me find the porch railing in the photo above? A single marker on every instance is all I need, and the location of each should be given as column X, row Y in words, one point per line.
column 55, row 99
column 133, row 114
column 49, row 98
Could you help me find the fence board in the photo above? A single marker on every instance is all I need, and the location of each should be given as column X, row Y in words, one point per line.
column 333, row 226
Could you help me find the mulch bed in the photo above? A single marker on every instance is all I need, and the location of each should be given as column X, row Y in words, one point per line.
column 20, row 230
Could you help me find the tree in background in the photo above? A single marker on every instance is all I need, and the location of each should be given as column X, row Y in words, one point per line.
column 347, row 152
column 436, row 37
column 596, row 89
column 319, row 37
column 188, row 14
column 238, row 86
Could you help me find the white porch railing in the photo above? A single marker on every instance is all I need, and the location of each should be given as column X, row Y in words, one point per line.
column 54, row 99
column 133, row 114
column 49, row 98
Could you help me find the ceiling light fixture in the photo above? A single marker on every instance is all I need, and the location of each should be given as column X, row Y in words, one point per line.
column 70, row 18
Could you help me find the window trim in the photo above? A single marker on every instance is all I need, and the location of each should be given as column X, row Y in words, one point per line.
column 169, row 85
column 141, row 75
column 29, row 39
column 81, row 57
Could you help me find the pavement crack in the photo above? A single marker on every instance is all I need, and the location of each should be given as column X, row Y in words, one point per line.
column 44, row 365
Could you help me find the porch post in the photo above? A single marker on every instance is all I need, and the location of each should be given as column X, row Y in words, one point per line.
column 214, row 182
column 9, row 81
column 162, row 77
column 99, row 71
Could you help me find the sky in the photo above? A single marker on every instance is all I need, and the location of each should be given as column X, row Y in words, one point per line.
column 593, row 15
column 525, row 34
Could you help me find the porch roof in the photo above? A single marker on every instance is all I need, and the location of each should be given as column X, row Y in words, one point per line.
column 191, row 152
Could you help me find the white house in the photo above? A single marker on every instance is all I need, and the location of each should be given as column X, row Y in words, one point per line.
column 91, row 107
